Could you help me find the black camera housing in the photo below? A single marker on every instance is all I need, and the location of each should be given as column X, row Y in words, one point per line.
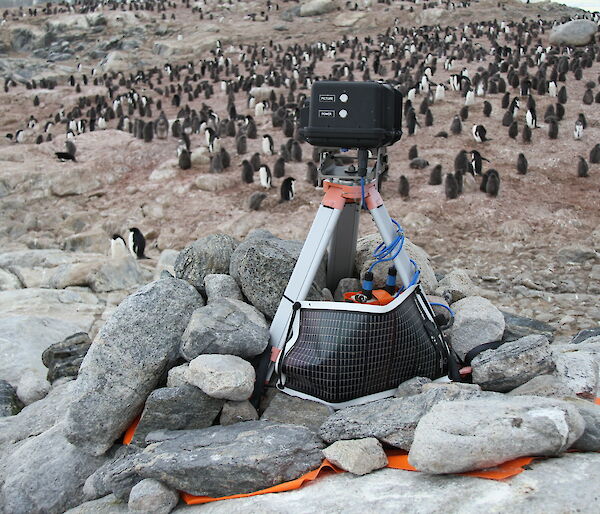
column 352, row 115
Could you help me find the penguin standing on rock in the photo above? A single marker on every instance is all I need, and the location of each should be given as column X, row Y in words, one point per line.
column 118, row 247
column 287, row 190
column 137, row 243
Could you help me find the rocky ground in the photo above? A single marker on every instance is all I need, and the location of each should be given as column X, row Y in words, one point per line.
column 522, row 267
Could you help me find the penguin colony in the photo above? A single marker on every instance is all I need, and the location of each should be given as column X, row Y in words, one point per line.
column 516, row 75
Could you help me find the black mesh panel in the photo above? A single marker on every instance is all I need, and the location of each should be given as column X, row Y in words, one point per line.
column 344, row 355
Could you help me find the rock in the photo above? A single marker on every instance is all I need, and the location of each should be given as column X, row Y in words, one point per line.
column 176, row 408
column 237, row 412
column 221, row 286
column 225, row 326
column 46, row 475
column 222, row 376
column 348, row 19
column 574, row 33
column 476, row 322
column 136, row 345
column 519, row 326
column 358, row 456
column 457, row 284
column 513, row 364
column 93, row 240
column 262, row 267
column 116, row 475
column 549, row 386
column 392, row 421
column 24, row 338
column 284, row 408
column 166, row 261
column 177, row 376
column 315, row 7
column 9, row 401
column 549, row 485
column 576, row 253
column 200, row 156
column 584, row 335
column 32, row 387
column 9, row 280
column 590, row 439
column 262, row 93
column 210, row 254
column 578, row 370
column 365, row 247
column 346, row 285
column 259, row 454
column 411, row 387
column 108, row 504
column 482, row 433
column 215, row 183
column 63, row 359
column 151, row 496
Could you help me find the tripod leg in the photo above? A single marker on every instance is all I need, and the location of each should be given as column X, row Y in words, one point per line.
column 304, row 272
column 342, row 248
column 388, row 231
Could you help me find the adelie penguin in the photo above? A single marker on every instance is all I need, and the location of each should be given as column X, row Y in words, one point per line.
column 553, row 129
column 118, row 248
column 451, row 187
column 184, row 161
column 522, row 164
column 526, row 134
column 137, row 243
column 287, row 190
column 255, row 200
column 413, row 152
column 435, row 177
column 255, row 161
column 582, row 167
column 595, row 154
column 487, row 109
column 456, row 125
column 264, row 173
column 477, row 162
column 513, row 130
column 241, row 144
column 267, row 145
column 247, row 172
column 492, row 182
column 403, row 187
column 279, row 168
column 312, row 174
column 479, row 133
column 578, row 132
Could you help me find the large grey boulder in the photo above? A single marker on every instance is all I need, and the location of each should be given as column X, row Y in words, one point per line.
column 578, row 368
column 108, row 504
column 315, row 7
column 176, row 408
column 590, row 412
column 549, row 386
column 239, row 458
column 262, row 266
column 550, row 485
column 284, row 408
column 476, row 322
column 116, row 475
column 45, row 475
column 219, row 285
column 152, row 496
column 521, row 326
column 574, row 33
column 481, row 433
column 457, row 284
column 222, row 376
column 210, row 254
column 393, row 421
column 134, row 348
column 585, row 335
column 513, row 364
column 9, row 280
column 365, row 246
column 9, row 401
column 358, row 456
column 237, row 412
column 225, row 326
column 32, row 387
column 23, row 339
column 64, row 358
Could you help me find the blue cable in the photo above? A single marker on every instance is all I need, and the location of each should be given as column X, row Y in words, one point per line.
column 445, row 307
column 362, row 192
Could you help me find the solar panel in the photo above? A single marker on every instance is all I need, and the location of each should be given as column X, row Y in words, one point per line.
column 340, row 354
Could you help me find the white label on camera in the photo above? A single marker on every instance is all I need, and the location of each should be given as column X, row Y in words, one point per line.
column 326, row 98
column 326, row 113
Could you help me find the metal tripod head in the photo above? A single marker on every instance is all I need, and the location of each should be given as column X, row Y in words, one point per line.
column 352, row 174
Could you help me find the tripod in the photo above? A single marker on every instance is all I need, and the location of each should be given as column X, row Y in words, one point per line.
column 335, row 228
